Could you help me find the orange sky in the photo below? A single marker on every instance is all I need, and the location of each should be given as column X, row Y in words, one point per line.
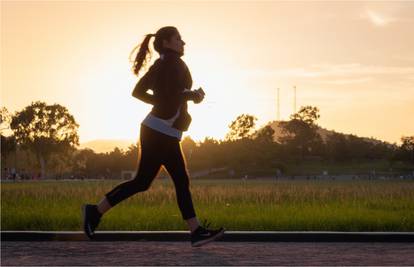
column 354, row 60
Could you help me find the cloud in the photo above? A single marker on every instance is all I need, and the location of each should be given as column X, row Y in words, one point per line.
column 382, row 14
column 347, row 81
column 333, row 70
column 378, row 19
column 358, row 69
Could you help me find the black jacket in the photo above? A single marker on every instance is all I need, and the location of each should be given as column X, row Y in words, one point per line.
column 168, row 77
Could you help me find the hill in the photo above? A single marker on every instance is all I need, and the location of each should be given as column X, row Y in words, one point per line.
column 324, row 133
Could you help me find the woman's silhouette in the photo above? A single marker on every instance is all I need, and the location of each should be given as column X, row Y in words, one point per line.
column 161, row 132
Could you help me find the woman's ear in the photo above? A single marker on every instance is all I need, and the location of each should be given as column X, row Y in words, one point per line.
column 164, row 43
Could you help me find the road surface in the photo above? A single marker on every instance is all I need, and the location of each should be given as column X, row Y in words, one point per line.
column 218, row 253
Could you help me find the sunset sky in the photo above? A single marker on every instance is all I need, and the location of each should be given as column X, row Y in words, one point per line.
column 353, row 60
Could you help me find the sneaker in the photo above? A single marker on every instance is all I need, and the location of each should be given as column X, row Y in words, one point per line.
column 91, row 219
column 203, row 235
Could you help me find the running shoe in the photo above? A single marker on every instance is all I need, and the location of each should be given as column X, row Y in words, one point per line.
column 202, row 235
column 91, row 219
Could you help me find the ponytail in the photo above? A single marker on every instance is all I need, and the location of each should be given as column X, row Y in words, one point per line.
column 143, row 55
column 165, row 33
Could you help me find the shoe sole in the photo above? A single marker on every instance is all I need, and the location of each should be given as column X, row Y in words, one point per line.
column 84, row 223
column 205, row 241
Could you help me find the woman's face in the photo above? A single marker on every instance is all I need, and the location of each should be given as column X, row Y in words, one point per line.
column 175, row 43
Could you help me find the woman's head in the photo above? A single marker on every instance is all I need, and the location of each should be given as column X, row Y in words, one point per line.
column 165, row 38
column 168, row 37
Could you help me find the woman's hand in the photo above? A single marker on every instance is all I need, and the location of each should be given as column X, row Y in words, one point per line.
column 198, row 95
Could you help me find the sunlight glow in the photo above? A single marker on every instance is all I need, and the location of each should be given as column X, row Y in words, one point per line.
column 378, row 19
column 341, row 56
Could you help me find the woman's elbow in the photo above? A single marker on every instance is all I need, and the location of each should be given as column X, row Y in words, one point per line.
column 135, row 94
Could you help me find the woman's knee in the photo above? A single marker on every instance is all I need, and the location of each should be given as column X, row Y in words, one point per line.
column 140, row 185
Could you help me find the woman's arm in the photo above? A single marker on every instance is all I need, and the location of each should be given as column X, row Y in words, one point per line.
column 175, row 76
column 188, row 95
column 143, row 85
column 195, row 96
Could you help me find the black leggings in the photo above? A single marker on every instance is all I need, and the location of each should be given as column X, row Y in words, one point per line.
column 157, row 149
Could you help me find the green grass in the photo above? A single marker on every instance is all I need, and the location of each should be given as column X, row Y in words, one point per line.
column 237, row 205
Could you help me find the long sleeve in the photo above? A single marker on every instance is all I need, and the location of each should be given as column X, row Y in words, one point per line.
column 171, row 82
column 143, row 85
column 176, row 81
column 187, row 95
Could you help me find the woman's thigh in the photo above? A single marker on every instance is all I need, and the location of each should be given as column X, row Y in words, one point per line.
column 175, row 163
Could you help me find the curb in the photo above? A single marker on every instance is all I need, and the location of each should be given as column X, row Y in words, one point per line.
column 229, row 236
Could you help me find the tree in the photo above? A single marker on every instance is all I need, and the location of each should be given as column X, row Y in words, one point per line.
column 188, row 146
column 307, row 114
column 132, row 155
column 5, row 119
column 206, row 154
column 82, row 161
column 265, row 134
column 408, row 145
column 242, row 127
column 301, row 136
column 45, row 130
column 8, row 143
column 337, row 147
column 115, row 162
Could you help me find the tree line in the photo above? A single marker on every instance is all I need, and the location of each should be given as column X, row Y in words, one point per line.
column 43, row 142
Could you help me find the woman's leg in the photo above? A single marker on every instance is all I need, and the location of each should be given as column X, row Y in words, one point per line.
column 149, row 166
column 175, row 164
column 148, row 169
column 103, row 205
column 192, row 224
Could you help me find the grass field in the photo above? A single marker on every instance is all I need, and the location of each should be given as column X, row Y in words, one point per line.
column 235, row 204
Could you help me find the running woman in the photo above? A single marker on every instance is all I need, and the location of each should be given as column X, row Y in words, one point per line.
column 170, row 81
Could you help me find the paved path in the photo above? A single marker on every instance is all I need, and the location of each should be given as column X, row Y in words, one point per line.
column 218, row 253
column 230, row 236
